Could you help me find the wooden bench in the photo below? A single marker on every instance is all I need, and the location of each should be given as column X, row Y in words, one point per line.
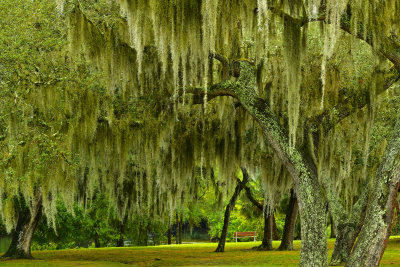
column 237, row 235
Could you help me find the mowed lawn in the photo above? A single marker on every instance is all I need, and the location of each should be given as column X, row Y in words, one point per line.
column 236, row 254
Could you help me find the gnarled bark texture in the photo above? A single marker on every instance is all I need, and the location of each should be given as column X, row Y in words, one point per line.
column 347, row 226
column 20, row 247
column 290, row 223
column 375, row 232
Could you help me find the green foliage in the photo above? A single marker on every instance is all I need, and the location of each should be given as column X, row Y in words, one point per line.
column 40, row 89
column 97, row 223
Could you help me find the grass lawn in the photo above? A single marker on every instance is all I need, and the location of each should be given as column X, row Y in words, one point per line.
column 237, row 254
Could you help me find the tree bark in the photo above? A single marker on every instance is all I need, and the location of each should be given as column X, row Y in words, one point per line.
column 298, row 236
column 228, row 210
column 169, row 234
column 396, row 220
column 96, row 240
column 177, row 229
column 333, row 228
column 268, row 232
column 347, row 226
column 290, row 223
column 120, row 241
column 180, row 229
column 346, row 236
column 376, row 230
column 275, row 234
column 20, row 247
column 373, row 239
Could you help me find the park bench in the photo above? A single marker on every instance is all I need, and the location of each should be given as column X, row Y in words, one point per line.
column 237, row 235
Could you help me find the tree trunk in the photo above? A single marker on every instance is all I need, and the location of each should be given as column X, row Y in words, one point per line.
column 290, row 223
column 275, row 234
column 333, row 228
column 120, row 241
column 376, row 230
column 96, row 240
column 346, row 236
column 314, row 250
column 268, row 225
column 269, row 219
column 20, row 247
column 347, row 227
column 347, row 232
column 180, row 229
column 177, row 229
column 396, row 221
column 140, row 233
column 228, row 210
column 169, row 234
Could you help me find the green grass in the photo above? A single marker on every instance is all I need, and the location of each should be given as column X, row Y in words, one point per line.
column 236, row 254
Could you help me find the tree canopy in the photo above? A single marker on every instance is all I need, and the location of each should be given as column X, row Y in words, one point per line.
column 143, row 100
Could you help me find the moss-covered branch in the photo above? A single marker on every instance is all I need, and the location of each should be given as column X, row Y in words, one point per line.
column 389, row 47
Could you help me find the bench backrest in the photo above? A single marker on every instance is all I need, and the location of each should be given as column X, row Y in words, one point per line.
column 244, row 234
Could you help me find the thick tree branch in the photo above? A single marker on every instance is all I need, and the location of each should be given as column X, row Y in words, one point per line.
column 224, row 62
column 330, row 117
column 252, row 199
column 248, row 191
column 389, row 47
column 215, row 90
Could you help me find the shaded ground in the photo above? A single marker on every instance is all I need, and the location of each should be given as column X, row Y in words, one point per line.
column 237, row 254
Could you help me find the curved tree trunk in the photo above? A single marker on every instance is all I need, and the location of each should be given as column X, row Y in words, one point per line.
column 376, row 230
column 20, row 247
column 290, row 223
column 240, row 185
column 314, row 250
